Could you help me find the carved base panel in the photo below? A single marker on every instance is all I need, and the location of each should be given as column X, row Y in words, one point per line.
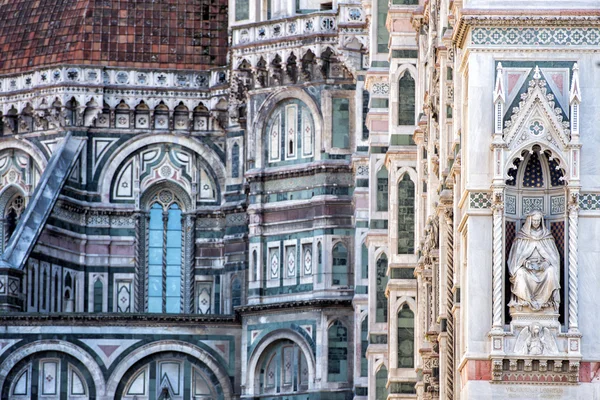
column 535, row 370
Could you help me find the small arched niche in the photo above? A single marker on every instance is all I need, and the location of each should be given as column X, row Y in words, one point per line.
column 536, row 182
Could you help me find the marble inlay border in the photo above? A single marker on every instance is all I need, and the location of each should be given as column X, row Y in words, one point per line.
column 559, row 36
column 589, row 201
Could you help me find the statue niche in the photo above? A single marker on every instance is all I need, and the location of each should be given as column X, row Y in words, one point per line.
column 534, row 267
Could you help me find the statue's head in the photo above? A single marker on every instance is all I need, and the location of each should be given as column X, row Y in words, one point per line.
column 536, row 219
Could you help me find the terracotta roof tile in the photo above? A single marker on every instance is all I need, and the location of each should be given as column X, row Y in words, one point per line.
column 188, row 34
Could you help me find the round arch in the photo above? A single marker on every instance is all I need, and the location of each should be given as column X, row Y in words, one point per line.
column 517, row 154
column 169, row 346
column 115, row 160
column 266, row 342
column 255, row 146
column 7, row 193
column 177, row 190
column 55, row 345
column 27, row 148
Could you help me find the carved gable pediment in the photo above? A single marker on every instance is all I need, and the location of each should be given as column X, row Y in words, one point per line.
column 537, row 118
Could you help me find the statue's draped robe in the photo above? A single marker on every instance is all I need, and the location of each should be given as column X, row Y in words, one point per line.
column 534, row 288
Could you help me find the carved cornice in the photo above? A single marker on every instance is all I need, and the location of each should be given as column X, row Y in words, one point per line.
column 298, row 304
column 113, row 319
column 469, row 18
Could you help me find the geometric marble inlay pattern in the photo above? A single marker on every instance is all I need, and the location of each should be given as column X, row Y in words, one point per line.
column 562, row 36
column 589, row 201
column 480, row 200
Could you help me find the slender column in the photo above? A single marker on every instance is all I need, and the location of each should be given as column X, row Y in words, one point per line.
column 188, row 264
column 164, row 261
column 449, row 303
column 498, row 265
column 573, row 263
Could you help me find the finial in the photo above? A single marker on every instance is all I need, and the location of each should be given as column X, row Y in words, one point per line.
column 536, row 74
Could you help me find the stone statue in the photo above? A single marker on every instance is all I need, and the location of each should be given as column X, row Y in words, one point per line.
column 535, row 340
column 534, row 267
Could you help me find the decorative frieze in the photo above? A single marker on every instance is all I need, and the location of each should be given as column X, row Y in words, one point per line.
column 536, row 36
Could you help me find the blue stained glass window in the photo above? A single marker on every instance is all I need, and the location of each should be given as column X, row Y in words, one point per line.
column 174, row 259
column 155, row 252
column 164, row 260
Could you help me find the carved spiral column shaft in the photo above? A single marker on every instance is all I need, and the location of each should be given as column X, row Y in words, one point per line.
column 498, row 265
column 449, row 305
column 573, row 266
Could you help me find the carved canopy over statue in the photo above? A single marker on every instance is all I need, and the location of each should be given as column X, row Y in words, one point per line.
column 534, row 267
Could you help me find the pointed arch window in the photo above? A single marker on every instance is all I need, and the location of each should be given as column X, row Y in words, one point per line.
column 12, row 214
column 381, row 303
column 382, row 189
column 340, row 265
column 165, row 254
column 406, row 99
column 406, row 337
column 98, row 298
column 364, row 343
column 236, row 292
column 337, row 353
column 319, row 262
column 406, row 215
column 235, row 161
column 381, row 378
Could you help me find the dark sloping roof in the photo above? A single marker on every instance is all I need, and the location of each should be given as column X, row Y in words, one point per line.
column 181, row 34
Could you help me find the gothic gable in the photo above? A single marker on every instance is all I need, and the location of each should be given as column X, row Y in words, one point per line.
column 537, row 118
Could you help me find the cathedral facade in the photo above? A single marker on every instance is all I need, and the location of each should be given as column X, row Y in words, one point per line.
column 299, row 199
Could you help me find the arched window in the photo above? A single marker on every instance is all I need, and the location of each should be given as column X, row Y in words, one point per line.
column 406, row 215
column 236, row 293
column 98, row 296
column 49, row 375
column 164, row 254
column 381, row 303
column 282, row 369
column 383, row 35
column 289, row 134
column 406, row 99
column 174, row 376
column 56, row 293
column 319, row 262
column 364, row 258
column 44, row 288
column 364, row 343
column 12, row 214
column 382, row 189
column 255, row 265
column 381, row 378
column 406, row 337
column 340, row 265
column 235, row 161
column 33, row 287
column 337, row 353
